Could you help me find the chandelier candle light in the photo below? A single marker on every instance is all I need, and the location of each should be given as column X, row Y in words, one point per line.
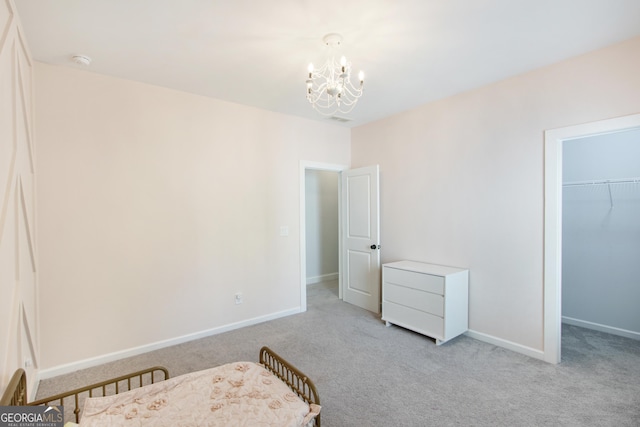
column 329, row 88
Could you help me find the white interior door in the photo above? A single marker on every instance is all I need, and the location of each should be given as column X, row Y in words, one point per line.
column 361, row 232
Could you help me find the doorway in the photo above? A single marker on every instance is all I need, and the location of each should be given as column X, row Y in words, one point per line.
column 322, row 233
column 316, row 270
column 600, row 229
column 553, row 179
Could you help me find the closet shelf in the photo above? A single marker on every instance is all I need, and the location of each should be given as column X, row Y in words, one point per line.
column 602, row 182
column 607, row 182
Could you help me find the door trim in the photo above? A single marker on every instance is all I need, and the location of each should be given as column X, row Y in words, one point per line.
column 304, row 166
column 553, row 140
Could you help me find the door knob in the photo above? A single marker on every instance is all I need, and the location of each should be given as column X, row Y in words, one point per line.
column 375, row 246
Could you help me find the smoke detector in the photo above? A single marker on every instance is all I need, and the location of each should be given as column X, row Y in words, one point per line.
column 81, row 59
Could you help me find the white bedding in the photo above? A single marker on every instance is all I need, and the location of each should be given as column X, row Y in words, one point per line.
column 236, row 394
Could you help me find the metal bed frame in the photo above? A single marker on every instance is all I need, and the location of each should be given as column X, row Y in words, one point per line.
column 291, row 376
column 16, row 392
column 75, row 398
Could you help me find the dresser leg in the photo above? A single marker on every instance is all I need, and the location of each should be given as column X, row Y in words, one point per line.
column 387, row 324
column 438, row 342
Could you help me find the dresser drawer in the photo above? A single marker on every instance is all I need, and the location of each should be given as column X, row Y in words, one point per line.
column 420, row 300
column 415, row 320
column 411, row 279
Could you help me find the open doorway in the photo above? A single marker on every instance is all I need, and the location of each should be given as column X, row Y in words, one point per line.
column 322, row 233
column 600, row 229
column 320, row 227
column 553, row 196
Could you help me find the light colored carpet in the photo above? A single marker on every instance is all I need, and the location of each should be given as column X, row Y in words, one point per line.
column 371, row 375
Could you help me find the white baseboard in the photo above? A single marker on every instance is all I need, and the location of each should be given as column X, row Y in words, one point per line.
column 518, row 348
column 602, row 328
column 110, row 357
column 322, row 278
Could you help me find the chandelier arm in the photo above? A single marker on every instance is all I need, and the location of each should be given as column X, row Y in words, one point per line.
column 327, row 108
column 352, row 95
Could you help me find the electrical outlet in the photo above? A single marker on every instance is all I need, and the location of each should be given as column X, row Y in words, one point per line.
column 28, row 363
column 238, row 298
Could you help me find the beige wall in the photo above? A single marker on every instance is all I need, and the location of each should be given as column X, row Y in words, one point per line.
column 462, row 180
column 156, row 207
column 19, row 330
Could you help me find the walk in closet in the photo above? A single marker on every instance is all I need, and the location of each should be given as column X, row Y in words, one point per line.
column 601, row 233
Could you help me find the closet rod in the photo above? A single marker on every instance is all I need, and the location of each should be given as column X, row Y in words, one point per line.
column 602, row 182
column 607, row 182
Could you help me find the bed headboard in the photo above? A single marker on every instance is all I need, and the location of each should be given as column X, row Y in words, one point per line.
column 16, row 392
column 290, row 375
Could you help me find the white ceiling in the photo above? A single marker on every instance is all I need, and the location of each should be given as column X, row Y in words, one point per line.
column 255, row 52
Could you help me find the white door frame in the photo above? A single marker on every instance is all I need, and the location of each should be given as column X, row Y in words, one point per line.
column 553, row 142
column 304, row 166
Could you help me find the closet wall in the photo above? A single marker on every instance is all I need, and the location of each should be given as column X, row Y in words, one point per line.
column 601, row 233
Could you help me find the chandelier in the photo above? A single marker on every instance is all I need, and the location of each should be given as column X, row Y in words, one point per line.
column 329, row 88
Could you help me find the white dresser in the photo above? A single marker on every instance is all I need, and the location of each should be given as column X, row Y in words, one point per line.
column 427, row 298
